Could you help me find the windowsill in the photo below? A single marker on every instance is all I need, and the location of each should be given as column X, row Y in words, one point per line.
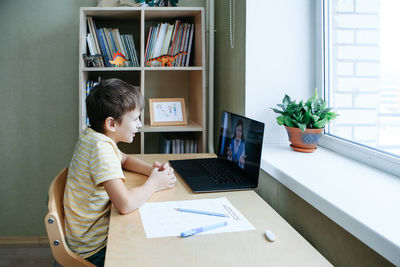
column 361, row 199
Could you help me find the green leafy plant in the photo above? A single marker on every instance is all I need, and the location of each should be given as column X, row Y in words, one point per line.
column 313, row 114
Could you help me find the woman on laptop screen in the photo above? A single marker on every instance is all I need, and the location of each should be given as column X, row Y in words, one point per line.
column 236, row 149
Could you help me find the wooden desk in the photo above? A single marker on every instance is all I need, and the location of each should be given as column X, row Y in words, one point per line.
column 128, row 245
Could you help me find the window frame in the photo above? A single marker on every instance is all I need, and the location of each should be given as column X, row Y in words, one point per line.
column 368, row 155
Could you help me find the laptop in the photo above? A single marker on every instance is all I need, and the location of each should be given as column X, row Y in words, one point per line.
column 237, row 165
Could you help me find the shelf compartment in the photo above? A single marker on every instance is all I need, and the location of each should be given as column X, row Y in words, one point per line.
column 177, row 84
column 128, row 21
column 153, row 142
column 193, row 16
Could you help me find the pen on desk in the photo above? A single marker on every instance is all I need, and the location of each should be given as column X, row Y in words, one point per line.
column 202, row 212
column 202, row 229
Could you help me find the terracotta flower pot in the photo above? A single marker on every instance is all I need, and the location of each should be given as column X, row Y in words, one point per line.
column 304, row 141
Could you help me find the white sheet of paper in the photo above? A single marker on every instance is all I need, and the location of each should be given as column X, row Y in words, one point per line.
column 161, row 219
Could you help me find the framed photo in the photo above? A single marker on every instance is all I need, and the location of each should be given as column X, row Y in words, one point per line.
column 167, row 111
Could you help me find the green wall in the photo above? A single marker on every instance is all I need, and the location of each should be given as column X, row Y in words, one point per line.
column 229, row 81
column 39, row 104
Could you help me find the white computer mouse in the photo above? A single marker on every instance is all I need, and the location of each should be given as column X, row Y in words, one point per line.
column 270, row 235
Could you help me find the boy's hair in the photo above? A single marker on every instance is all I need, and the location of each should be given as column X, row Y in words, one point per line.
column 111, row 98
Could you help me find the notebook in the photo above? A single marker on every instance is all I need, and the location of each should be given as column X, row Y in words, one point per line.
column 237, row 165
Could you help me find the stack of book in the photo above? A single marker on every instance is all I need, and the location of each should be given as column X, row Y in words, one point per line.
column 89, row 86
column 107, row 41
column 177, row 144
column 168, row 40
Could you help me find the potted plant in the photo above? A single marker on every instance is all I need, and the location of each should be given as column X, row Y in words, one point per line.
column 304, row 122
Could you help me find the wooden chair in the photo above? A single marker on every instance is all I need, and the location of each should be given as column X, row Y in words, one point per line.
column 54, row 222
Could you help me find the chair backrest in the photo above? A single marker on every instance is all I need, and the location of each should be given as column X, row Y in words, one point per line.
column 54, row 222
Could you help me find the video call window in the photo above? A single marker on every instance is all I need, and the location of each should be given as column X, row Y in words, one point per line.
column 241, row 140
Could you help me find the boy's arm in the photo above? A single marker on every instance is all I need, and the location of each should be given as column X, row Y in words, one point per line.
column 126, row 200
column 132, row 163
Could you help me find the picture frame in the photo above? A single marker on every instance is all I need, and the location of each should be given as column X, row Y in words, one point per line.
column 167, row 111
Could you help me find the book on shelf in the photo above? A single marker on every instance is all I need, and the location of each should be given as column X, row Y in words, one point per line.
column 174, row 36
column 107, row 41
column 182, row 44
column 89, row 86
column 129, row 44
column 177, row 44
column 185, row 45
column 189, row 46
column 94, row 42
column 104, row 50
column 154, row 32
column 166, row 39
column 178, row 143
column 90, row 43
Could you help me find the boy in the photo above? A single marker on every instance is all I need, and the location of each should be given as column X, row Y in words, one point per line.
column 95, row 173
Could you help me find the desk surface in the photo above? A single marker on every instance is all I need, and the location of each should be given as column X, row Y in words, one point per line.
column 128, row 246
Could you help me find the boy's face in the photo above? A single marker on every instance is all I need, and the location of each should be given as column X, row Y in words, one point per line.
column 126, row 130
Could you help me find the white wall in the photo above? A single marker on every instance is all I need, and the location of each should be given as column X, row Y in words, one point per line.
column 279, row 58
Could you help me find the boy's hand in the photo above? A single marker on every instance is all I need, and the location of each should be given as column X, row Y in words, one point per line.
column 160, row 166
column 162, row 177
column 156, row 164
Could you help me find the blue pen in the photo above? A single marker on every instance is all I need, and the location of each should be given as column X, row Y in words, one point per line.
column 202, row 212
column 202, row 229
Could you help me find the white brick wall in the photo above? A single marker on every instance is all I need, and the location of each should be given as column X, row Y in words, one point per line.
column 356, row 84
column 367, row 69
column 344, row 6
column 341, row 100
column 367, row 36
column 344, row 36
column 357, row 117
column 356, row 21
column 345, row 68
column 356, row 52
column 356, row 72
column 366, row 100
column 368, row 6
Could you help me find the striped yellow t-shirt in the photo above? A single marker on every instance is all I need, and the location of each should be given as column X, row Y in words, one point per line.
column 96, row 159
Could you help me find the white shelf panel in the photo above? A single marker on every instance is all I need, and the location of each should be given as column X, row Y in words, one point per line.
column 113, row 69
column 140, row 68
column 190, row 127
column 174, row 68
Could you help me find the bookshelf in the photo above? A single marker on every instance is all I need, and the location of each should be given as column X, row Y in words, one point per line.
column 155, row 82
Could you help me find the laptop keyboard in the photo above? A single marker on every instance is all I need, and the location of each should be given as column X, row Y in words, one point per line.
column 218, row 173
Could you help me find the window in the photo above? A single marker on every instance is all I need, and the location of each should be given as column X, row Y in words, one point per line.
column 361, row 60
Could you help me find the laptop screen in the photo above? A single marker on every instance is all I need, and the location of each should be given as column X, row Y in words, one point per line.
column 240, row 142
